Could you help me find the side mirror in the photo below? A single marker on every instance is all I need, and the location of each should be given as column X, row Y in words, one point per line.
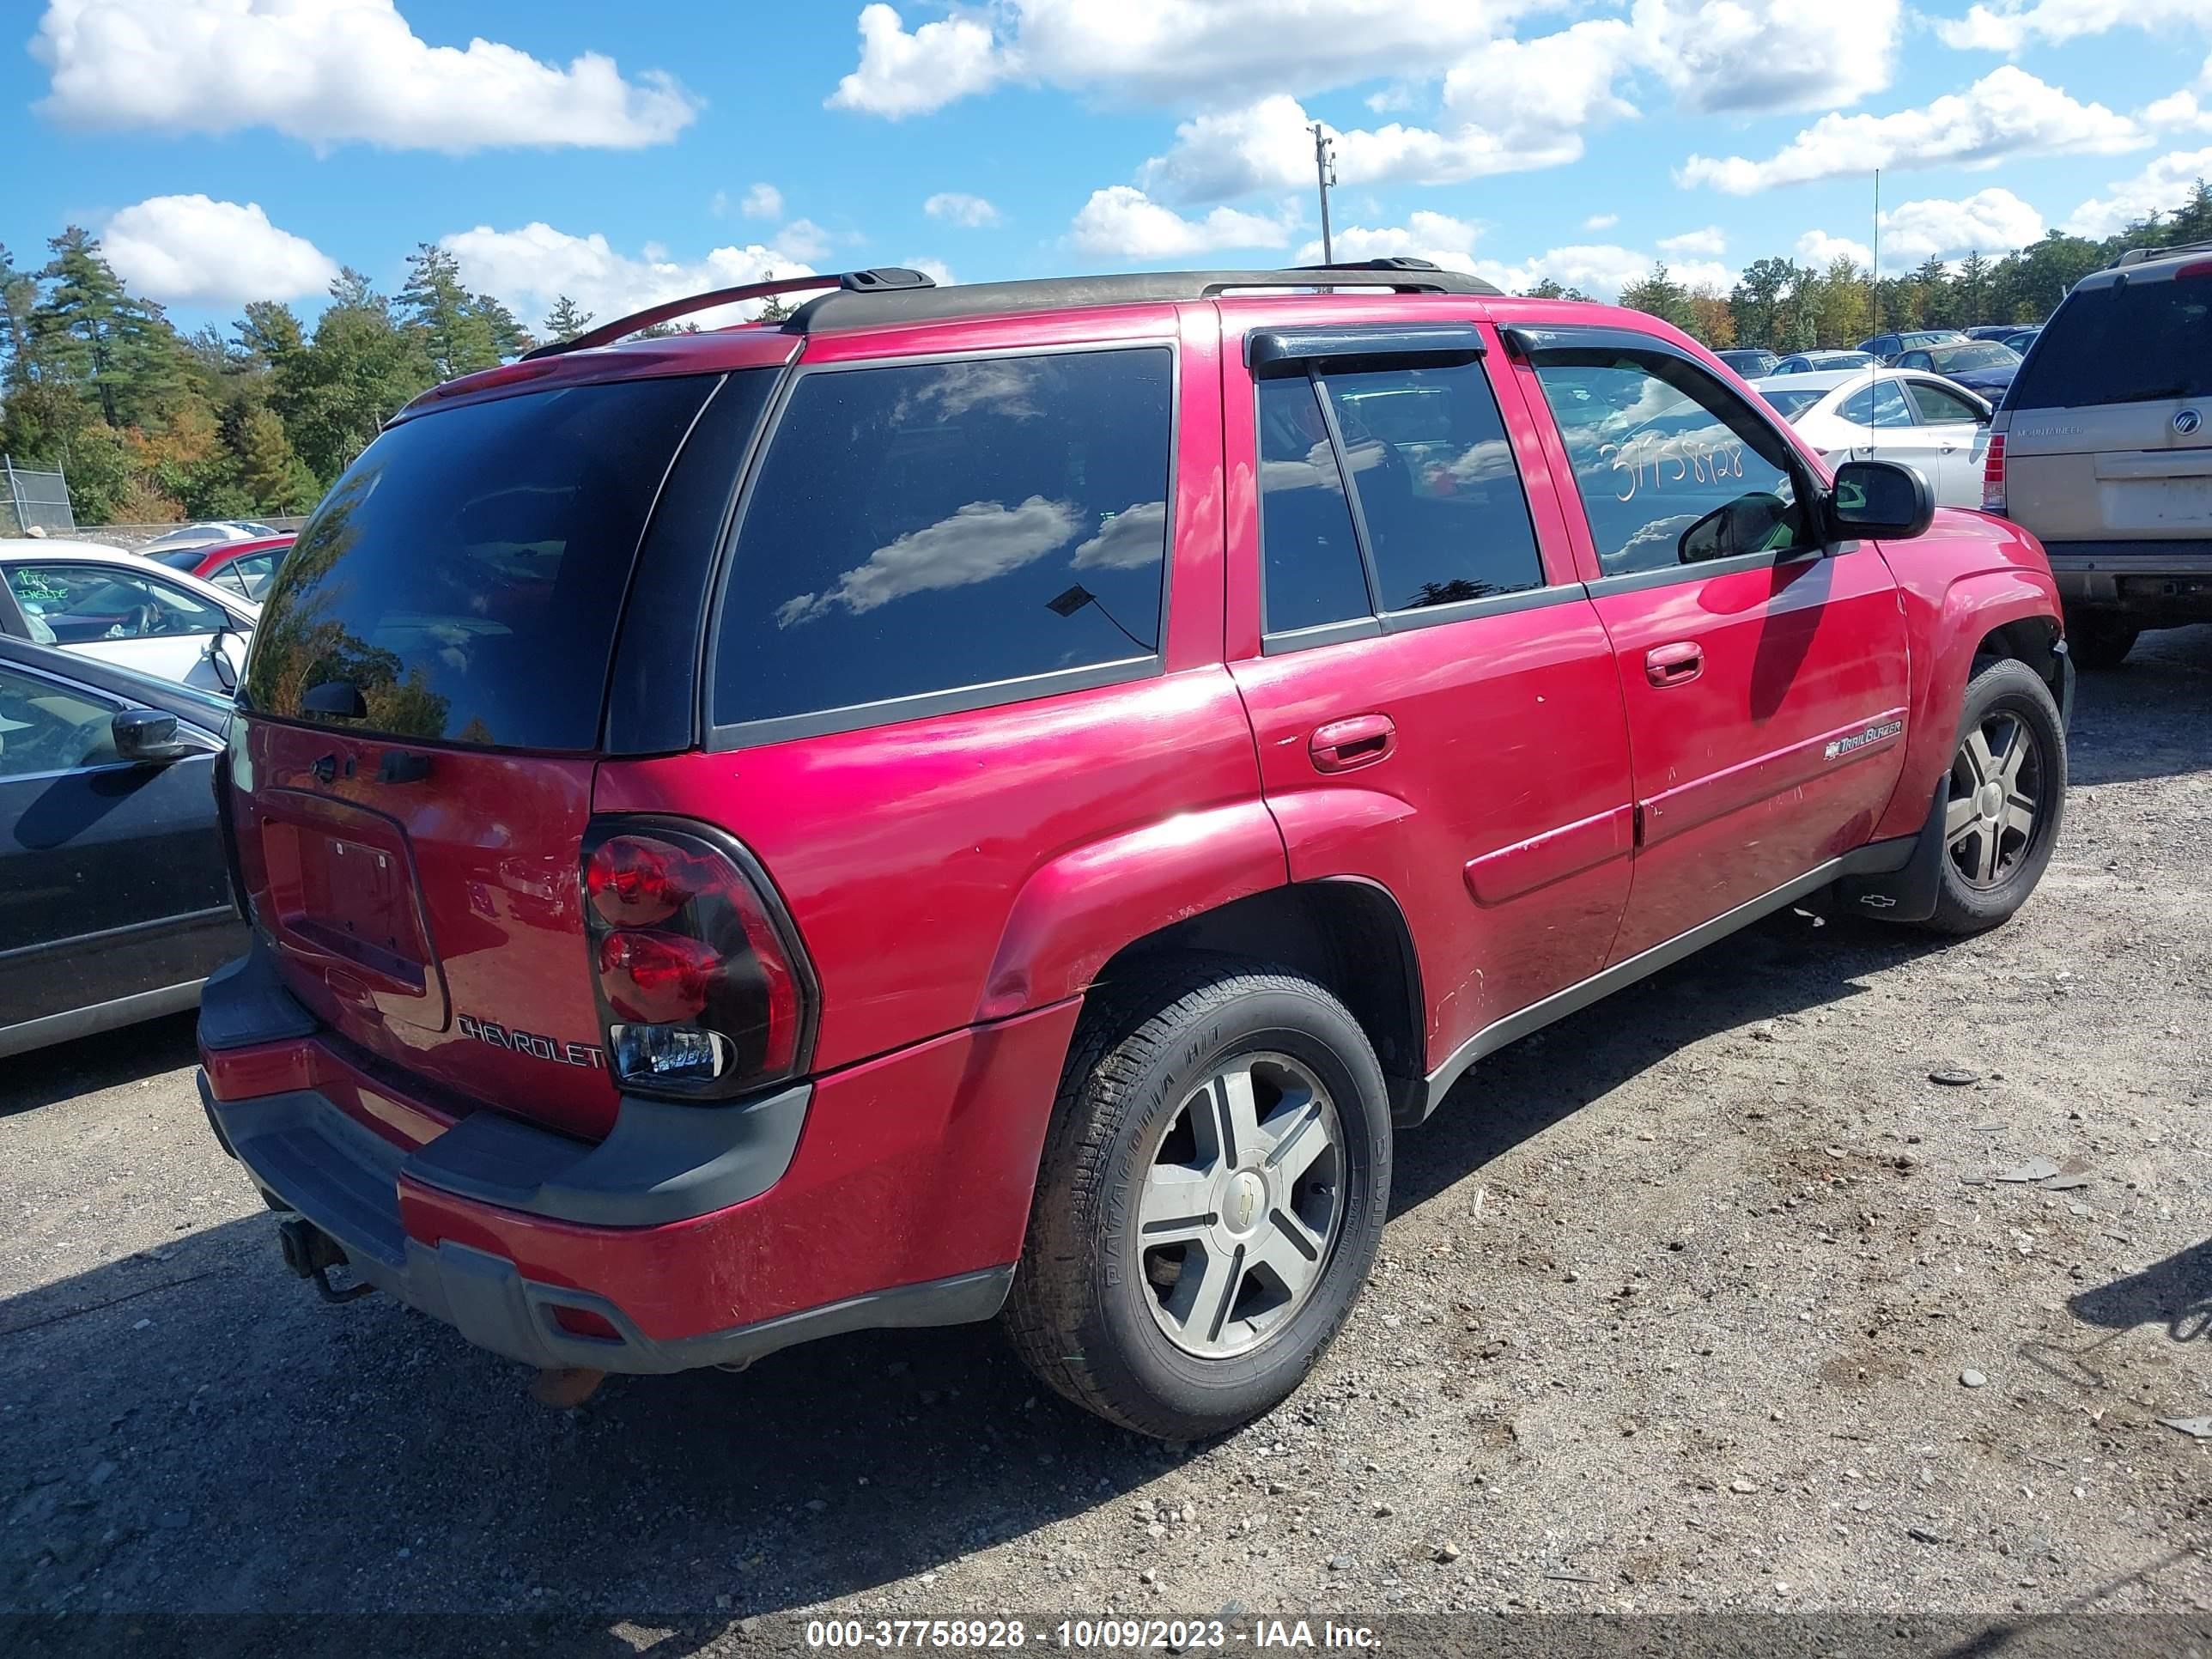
column 1881, row 499
column 219, row 659
column 149, row 736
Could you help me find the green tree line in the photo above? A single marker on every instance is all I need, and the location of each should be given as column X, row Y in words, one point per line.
column 150, row 424
column 1786, row 307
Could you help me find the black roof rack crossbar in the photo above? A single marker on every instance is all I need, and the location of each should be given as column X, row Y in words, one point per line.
column 881, row 279
column 858, row 309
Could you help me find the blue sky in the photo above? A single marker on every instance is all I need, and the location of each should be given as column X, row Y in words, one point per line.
column 229, row 150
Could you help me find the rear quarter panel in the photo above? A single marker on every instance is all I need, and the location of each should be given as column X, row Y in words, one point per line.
column 1970, row 573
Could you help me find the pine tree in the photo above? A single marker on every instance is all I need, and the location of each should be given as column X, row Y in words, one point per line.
column 1661, row 296
column 566, row 320
column 276, row 479
column 458, row 335
column 119, row 349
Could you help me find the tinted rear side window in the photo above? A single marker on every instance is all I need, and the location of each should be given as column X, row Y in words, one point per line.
column 466, row 574
column 935, row 527
column 1311, row 572
column 1445, row 516
column 2143, row 342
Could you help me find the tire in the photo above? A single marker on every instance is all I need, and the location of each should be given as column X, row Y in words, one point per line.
column 1994, row 853
column 2099, row 639
column 1100, row 1310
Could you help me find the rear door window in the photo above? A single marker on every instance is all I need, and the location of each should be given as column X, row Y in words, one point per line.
column 937, row 530
column 466, row 574
column 2145, row 341
column 1439, row 493
column 1940, row 406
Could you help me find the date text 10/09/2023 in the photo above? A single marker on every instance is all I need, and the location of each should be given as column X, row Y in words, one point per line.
column 1089, row 1635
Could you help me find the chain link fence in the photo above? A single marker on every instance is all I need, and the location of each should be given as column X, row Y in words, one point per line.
column 137, row 535
column 28, row 498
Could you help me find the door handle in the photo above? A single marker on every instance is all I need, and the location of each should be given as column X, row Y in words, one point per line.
column 1360, row 741
column 1675, row 664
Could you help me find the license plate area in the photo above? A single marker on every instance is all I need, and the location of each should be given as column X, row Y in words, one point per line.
column 345, row 904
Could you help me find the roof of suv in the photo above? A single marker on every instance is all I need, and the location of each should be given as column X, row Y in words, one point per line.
column 2149, row 264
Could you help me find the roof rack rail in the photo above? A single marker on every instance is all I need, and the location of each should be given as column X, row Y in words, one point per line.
column 2137, row 256
column 880, row 279
column 853, row 309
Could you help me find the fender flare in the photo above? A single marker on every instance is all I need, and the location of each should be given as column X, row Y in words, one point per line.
column 1079, row 908
column 1972, row 608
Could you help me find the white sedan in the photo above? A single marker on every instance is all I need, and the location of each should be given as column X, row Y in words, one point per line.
column 1890, row 414
column 124, row 608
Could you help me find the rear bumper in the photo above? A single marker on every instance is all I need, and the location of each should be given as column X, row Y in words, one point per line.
column 2149, row 577
column 893, row 1193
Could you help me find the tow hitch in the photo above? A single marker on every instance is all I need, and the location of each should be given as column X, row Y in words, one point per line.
column 311, row 1253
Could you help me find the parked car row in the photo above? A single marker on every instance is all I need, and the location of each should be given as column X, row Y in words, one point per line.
column 1895, row 415
column 124, row 608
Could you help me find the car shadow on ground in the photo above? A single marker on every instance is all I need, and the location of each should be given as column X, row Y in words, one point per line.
column 70, row 1069
column 272, row 1453
column 2125, row 718
column 1788, row 964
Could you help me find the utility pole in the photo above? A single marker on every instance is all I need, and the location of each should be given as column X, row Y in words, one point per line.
column 1325, row 172
column 1877, row 250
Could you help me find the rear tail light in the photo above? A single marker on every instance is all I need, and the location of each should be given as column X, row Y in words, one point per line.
column 704, row 989
column 1993, row 475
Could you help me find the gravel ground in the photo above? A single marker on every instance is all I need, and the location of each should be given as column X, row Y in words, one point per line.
column 1691, row 1305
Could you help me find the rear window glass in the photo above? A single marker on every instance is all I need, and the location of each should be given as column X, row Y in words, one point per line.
column 1310, row 570
column 467, row 573
column 1790, row 404
column 934, row 527
column 2143, row 342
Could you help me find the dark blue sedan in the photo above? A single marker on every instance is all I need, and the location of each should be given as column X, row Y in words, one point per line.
column 114, row 891
column 1981, row 366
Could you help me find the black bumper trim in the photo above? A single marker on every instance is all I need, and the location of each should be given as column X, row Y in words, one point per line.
column 308, row 1156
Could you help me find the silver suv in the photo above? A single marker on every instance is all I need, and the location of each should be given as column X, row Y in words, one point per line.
column 2104, row 449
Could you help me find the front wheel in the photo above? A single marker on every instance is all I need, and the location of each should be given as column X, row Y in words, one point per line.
column 1213, row 1194
column 2005, row 799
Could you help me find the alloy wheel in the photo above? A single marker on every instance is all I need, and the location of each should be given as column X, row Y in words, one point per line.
column 1995, row 809
column 1241, row 1204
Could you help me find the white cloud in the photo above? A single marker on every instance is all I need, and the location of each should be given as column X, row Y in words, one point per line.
column 902, row 75
column 1712, row 240
column 2161, row 187
column 529, row 268
column 340, row 72
column 1266, row 146
column 956, row 206
column 1715, row 54
column 1820, row 250
column 802, row 239
column 189, row 250
column 936, row 270
column 982, row 540
column 2009, row 25
column 2179, row 111
column 1437, row 237
column 1773, row 55
column 762, row 201
column 1599, row 269
column 1602, row 221
column 1989, row 222
column 2008, row 112
column 1123, row 224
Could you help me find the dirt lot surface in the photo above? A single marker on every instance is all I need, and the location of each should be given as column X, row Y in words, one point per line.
column 1692, row 1304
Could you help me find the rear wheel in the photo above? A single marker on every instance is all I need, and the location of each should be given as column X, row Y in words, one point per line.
column 2005, row 798
column 1213, row 1194
column 2099, row 639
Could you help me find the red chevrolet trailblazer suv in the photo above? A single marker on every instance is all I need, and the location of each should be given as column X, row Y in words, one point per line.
column 1010, row 796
